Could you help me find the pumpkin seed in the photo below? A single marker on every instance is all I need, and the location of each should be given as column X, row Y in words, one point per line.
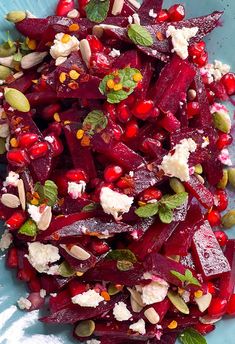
column 231, row 176
column 136, row 296
column 178, row 302
column 152, row 315
column 17, row 100
column 198, row 169
column 203, row 302
column 32, row 59
column 228, row 220
column 176, row 185
column 224, row 180
column 21, row 193
column 85, row 328
column 45, row 219
column 65, row 270
column 4, row 72
column 112, row 290
column 15, row 16
column 6, row 51
column 10, row 200
column 222, row 121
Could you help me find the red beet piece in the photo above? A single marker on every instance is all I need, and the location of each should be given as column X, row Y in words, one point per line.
column 181, row 239
column 198, row 190
column 170, row 122
column 129, row 58
column 36, row 301
column 205, row 118
column 71, row 206
column 41, row 98
column 127, row 10
column 143, row 179
column 209, row 257
column 60, row 301
column 147, row 5
column 77, row 264
column 32, row 27
column 25, row 82
column 162, row 308
column 227, row 280
column 53, row 284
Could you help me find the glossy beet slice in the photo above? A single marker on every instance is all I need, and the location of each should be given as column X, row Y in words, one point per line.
column 208, row 255
column 147, row 5
column 71, row 206
column 143, row 179
column 41, row 98
column 81, row 156
column 73, row 313
column 181, row 239
column 60, row 301
column 227, row 280
column 32, row 27
column 53, row 284
column 198, row 190
column 129, row 58
column 205, row 118
column 147, row 73
column 25, row 82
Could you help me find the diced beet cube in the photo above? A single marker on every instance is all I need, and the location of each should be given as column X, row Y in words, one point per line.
column 227, row 280
column 198, row 190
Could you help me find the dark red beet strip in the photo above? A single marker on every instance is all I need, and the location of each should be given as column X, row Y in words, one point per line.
column 227, row 280
column 198, row 190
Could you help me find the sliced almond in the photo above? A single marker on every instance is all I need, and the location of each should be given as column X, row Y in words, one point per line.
column 152, row 316
column 85, row 51
column 134, row 3
column 203, row 302
column 136, row 296
column 21, row 193
column 206, row 319
column 135, row 306
column 117, row 7
column 10, row 201
column 77, row 252
column 45, row 219
column 32, row 59
column 98, row 31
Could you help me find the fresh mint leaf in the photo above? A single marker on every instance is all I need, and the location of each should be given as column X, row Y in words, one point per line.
column 94, row 122
column 187, row 278
column 174, row 201
column 97, row 10
column 122, row 254
column 147, row 210
column 191, row 336
column 140, row 35
column 165, row 214
column 48, row 192
column 65, row 270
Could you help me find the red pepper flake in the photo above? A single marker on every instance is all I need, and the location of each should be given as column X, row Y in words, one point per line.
column 160, row 36
column 73, row 85
column 74, row 27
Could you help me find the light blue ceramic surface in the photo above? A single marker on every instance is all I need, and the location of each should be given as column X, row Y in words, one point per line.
column 18, row 327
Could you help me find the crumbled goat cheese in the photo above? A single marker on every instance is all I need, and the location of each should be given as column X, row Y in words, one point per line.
column 59, row 48
column 115, row 53
column 186, row 296
column 120, row 312
column 130, row 19
column 180, row 39
column 115, row 203
column 35, row 212
column 176, row 164
column 49, row 139
column 60, row 60
column 139, row 327
column 152, row 14
column 6, row 240
column 40, row 256
column 215, row 71
column 12, row 179
column 42, row 293
column 73, row 14
column 93, row 341
column 225, row 158
column 89, row 298
column 217, row 107
column 24, row 303
column 75, row 190
column 136, row 18
column 154, row 292
column 4, row 130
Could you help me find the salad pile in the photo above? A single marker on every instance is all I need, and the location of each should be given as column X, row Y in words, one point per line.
column 115, row 138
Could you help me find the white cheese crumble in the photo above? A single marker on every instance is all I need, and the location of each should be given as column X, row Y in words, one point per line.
column 93, row 341
column 225, row 158
column 154, row 292
column 75, row 190
column 120, row 312
column 136, row 18
column 186, row 296
column 115, row 203
column 24, row 303
column 12, row 179
column 180, row 39
column 73, row 14
column 205, row 142
column 40, row 256
column 115, row 53
column 152, row 14
column 59, row 48
column 139, row 327
column 5, row 240
column 4, row 130
column 49, row 139
column 215, row 71
column 36, row 213
column 43, row 293
column 176, row 164
column 89, row 298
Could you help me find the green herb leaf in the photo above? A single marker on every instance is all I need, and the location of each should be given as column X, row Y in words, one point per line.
column 124, row 265
column 191, row 336
column 147, row 210
column 165, row 214
column 48, row 192
column 122, row 254
column 90, row 207
column 18, row 56
column 29, row 228
column 140, row 35
column 187, row 278
column 125, row 78
column 97, row 10
column 65, row 270
column 174, row 201
column 94, row 122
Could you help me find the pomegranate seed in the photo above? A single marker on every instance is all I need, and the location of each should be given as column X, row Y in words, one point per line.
column 204, row 328
column 16, row 220
column 160, row 135
column 176, row 12
column 142, row 109
column 192, row 109
column 110, row 110
column 27, row 140
column 112, row 173
column 55, row 128
column 231, row 306
column 214, row 218
column 210, row 96
column 12, row 258
column 150, row 146
column 76, row 288
column 221, row 237
column 163, row 16
column 64, row 6
column 62, row 184
column 201, row 60
column 150, row 194
column 221, row 200
column 132, row 129
column 34, row 285
column 217, row 307
column 123, row 113
column 211, row 288
column 196, row 49
column 95, row 44
column 99, row 246
column 26, row 274
column 49, row 111
column 170, row 122
column 228, row 80
column 100, row 62
column 123, row 184
column 56, row 146
column 38, row 150
column 18, row 157
column 76, row 175
column 82, row 4
column 155, row 113
column 224, row 141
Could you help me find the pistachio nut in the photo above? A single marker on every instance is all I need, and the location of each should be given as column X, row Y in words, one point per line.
column 17, row 99
column 2, row 145
column 228, row 220
column 198, row 169
column 222, row 121
column 178, row 302
column 6, row 50
column 85, row 328
column 7, row 61
column 4, row 72
column 224, row 180
column 16, row 16
column 176, row 185
column 231, row 176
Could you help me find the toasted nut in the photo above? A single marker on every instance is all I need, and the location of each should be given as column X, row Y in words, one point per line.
column 21, row 193
column 224, row 180
column 198, row 169
column 17, row 99
column 178, row 302
column 16, row 16
column 228, row 220
column 77, row 252
column 135, row 306
column 152, row 315
column 10, row 200
column 32, row 59
column 85, row 51
column 136, row 296
column 45, row 219
column 4, row 72
column 206, row 319
column 176, row 185
column 85, row 328
column 231, row 176
column 117, row 7
column 222, row 121
column 203, row 302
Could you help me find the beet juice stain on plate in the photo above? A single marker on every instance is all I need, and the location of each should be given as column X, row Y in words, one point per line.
column 117, row 142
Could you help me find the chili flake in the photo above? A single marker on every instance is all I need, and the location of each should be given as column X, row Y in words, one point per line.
column 56, row 117
column 198, row 294
column 31, row 43
column 62, row 77
column 137, row 77
column 173, row 325
column 74, row 27
column 14, row 143
column 110, row 84
column 74, row 75
column 117, row 87
column 80, row 134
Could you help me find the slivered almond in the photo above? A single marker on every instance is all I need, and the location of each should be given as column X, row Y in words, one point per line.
column 10, row 201
column 135, row 306
column 152, row 315
column 134, row 3
column 21, row 193
column 77, row 252
column 136, row 296
column 32, row 59
column 203, row 302
column 117, row 7
column 97, row 31
column 85, row 51
column 206, row 319
column 45, row 219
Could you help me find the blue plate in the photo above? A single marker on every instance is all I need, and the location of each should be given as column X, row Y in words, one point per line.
column 19, row 327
